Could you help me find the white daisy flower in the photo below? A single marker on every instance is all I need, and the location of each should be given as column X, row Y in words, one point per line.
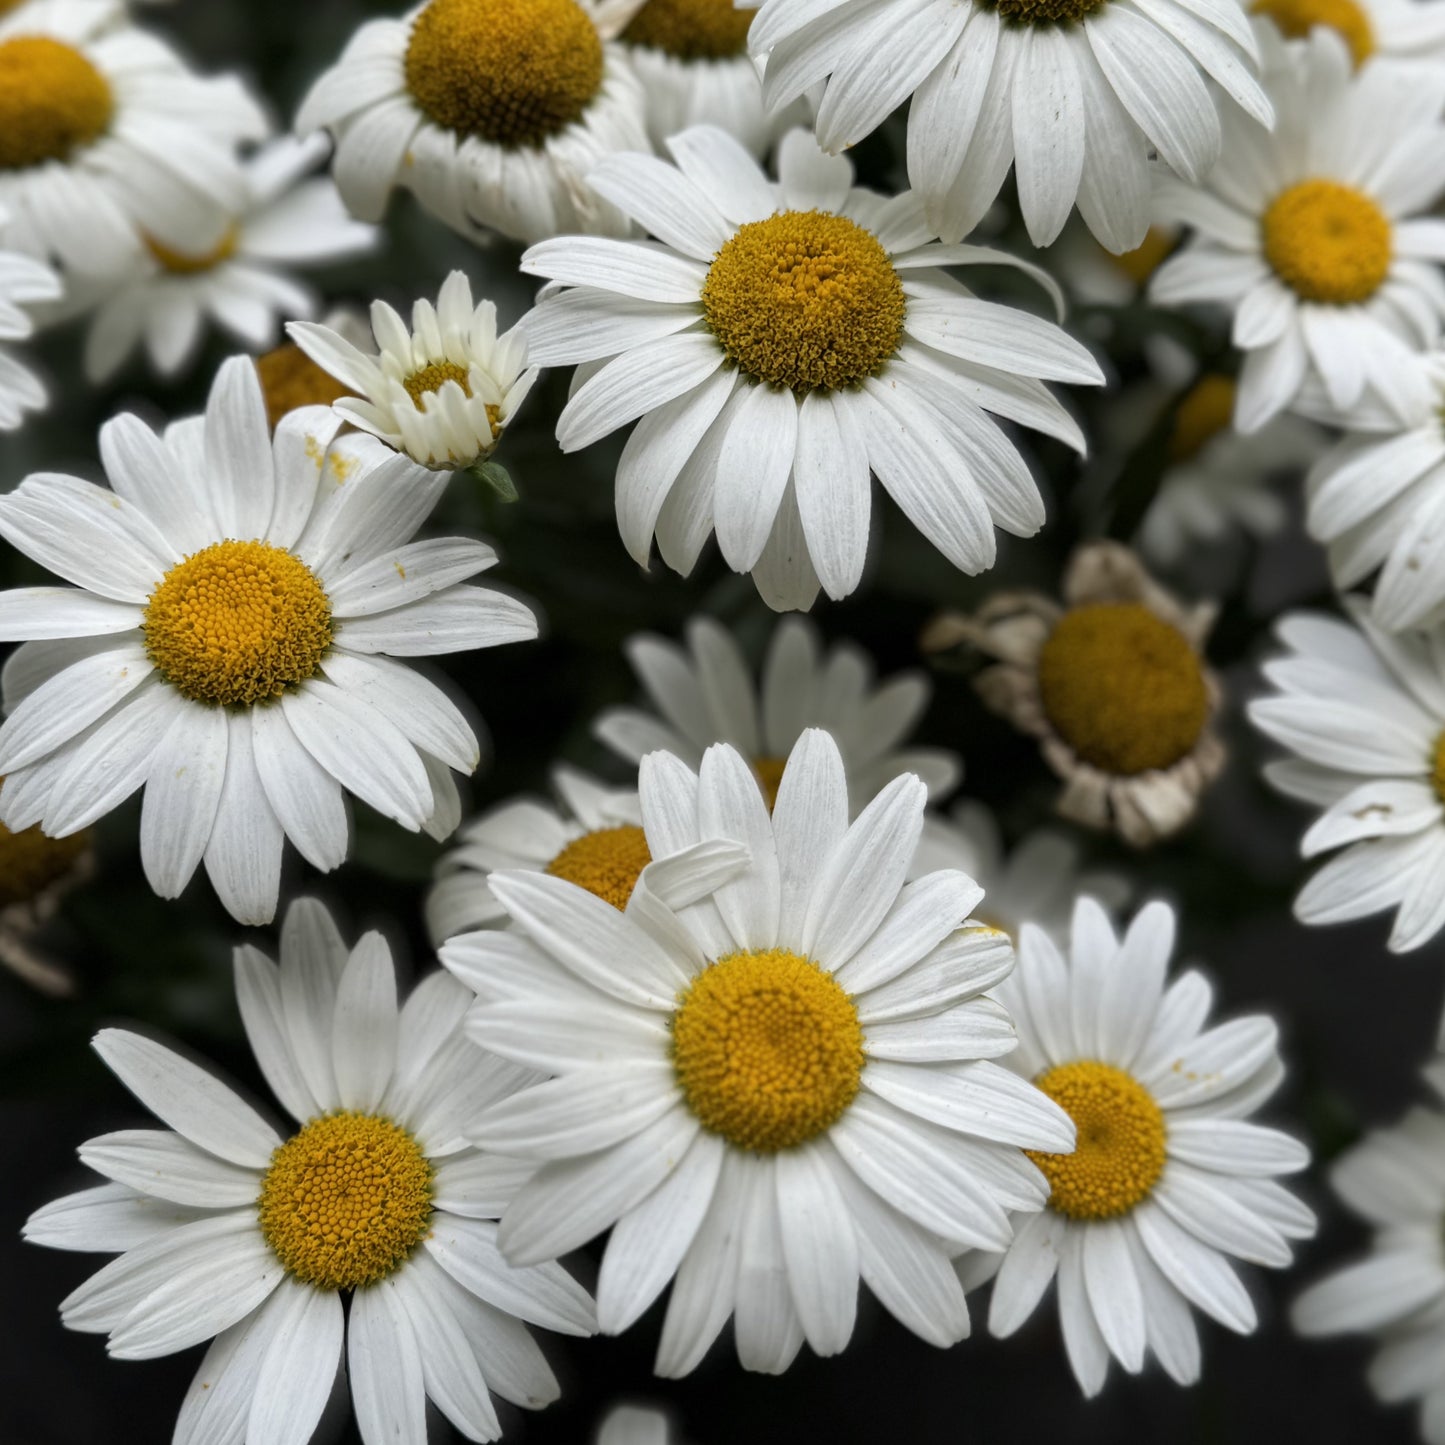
column 1169, row 1182
column 1364, row 714
column 368, row 1228
column 243, row 283
column 592, row 838
column 442, row 392
column 1393, row 1180
column 785, row 339
column 23, row 282
column 1377, row 501
column 485, row 146
column 1397, row 30
column 1076, row 95
column 103, row 130
column 1216, row 481
column 773, row 1071
column 230, row 645
column 1097, row 277
column 706, row 694
column 1313, row 237
column 1037, row 881
column 1114, row 685
column 692, row 59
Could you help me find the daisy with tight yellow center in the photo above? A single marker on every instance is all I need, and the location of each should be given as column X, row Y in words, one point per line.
column 1361, row 713
column 692, row 59
column 487, row 147
column 785, row 342
column 442, row 392
column 1322, row 251
column 374, row 1186
column 105, row 134
column 705, row 690
column 244, row 282
column 771, row 1074
column 1114, row 685
column 1169, row 1181
column 590, row 836
column 243, row 614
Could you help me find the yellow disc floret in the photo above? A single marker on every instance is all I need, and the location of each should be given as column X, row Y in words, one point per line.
column 1120, row 1152
column 1437, row 768
column 52, row 99
column 1327, row 242
column 691, row 29
column 1206, row 410
column 606, row 862
column 433, row 376
column 237, row 623
column 513, row 72
column 1046, row 12
column 30, row 862
column 289, row 378
column 768, row 1049
column 769, row 772
column 1296, row 18
column 1123, row 688
column 805, row 300
column 346, row 1200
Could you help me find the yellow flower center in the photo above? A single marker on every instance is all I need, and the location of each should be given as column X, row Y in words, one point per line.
column 691, row 29
column 1120, row 1152
column 804, row 300
column 30, row 862
column 431, row 377
column 346, row 1200
column 289, row 379
column 237, row 623
column 1046, row 12
column 1327, row 242
column 769, row 773
column 1437, row 768
column 606, row 862
column 183, row 263
column 768, row 1049
column 1146, row 258
column 1207, row 410
column 1296, row 18
column 1123, row 687
column 512, row 72
column 52, row 99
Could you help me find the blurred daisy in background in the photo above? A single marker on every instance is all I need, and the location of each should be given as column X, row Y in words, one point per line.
column 1094, row 276
column 1170, row 1182
column 442, row 392
column 243, row 284
column 692, row 59
column 422, row 103
column 1364, row 715
column 1377, row 501
column 592, row 837
column 635, row 1425
column 1076, row 95
column 105, row 132
column 24, row 281
column 1394, row 1181
column 230, row 643
column 1397, row 30
column 785, row 340
column 796, row 1089
column 290, row 379
column 1036, row 881
column 706, row 693
column 1113, row 683
column 1314, row 238
column 367, row 1229
column 35, row 874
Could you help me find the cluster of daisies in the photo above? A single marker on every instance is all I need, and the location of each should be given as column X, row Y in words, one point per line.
column 757, row 1019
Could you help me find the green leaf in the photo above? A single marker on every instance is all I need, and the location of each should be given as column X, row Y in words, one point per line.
column 497, row 477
